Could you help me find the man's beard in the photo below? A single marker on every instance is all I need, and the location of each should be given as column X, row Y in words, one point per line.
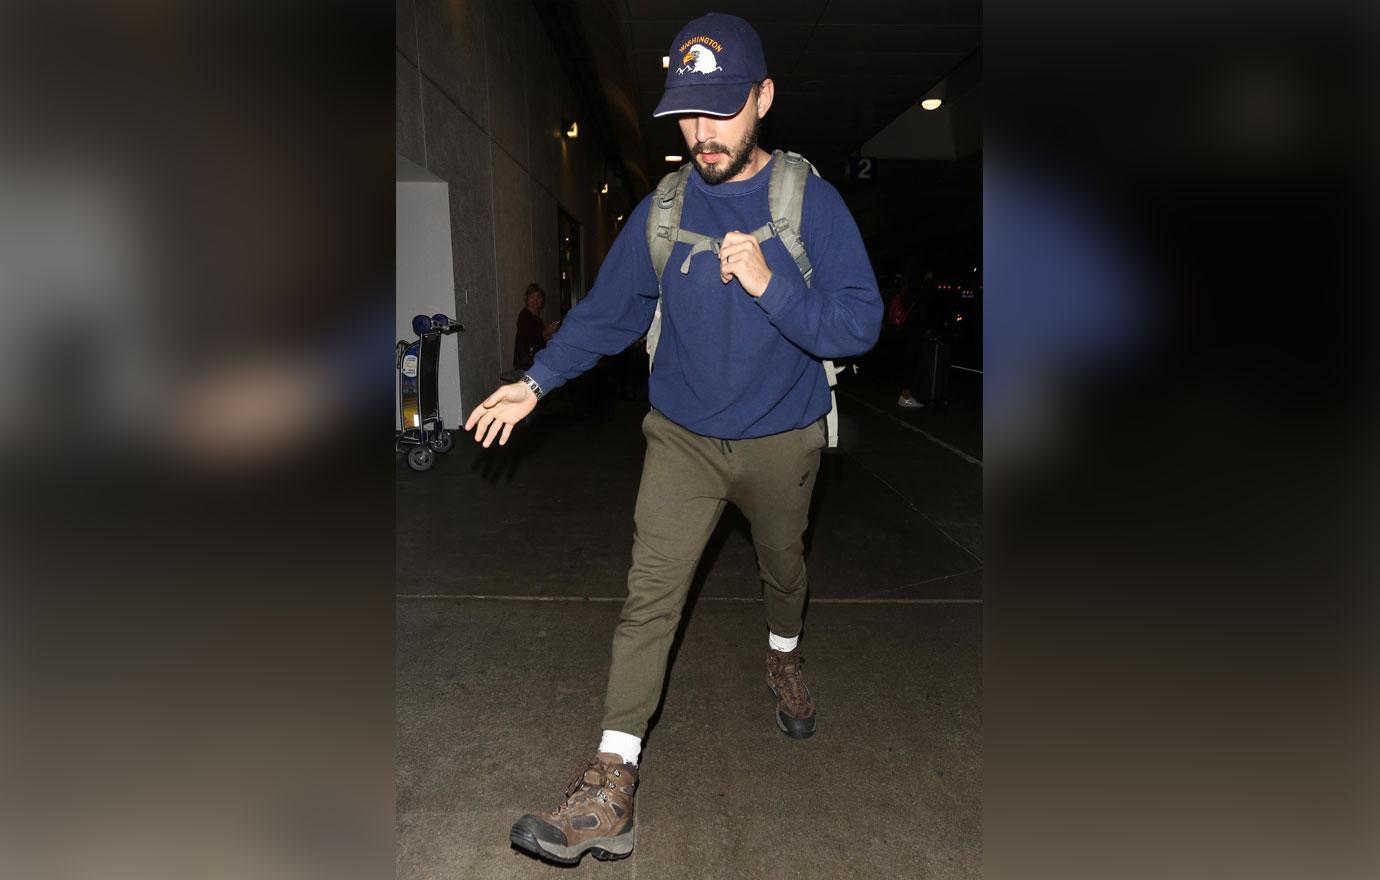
column 719, row 172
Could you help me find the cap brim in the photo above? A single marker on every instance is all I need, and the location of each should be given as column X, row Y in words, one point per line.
column 724, row 99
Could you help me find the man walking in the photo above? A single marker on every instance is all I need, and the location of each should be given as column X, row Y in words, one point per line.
column 738, row 395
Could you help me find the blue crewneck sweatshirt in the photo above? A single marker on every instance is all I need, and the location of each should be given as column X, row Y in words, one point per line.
column 728, row 365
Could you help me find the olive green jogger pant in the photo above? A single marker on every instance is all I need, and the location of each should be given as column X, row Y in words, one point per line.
column 686, row 481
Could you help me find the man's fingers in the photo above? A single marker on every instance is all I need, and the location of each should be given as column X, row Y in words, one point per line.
column 475, row 415
column 503, row 438
column 734, row 258
column 494, row 427
column 484, row 421
column 734, row 242
column 736, row 255
column 489, row 403
column 496, row 398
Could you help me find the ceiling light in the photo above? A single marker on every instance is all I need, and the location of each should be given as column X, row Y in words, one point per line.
column 604, row 190
column 665, row 61
column 572, row 128
column 931, row 103
column 618, row 219
column 674, row 158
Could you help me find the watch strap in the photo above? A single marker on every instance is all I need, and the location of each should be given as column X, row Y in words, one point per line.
column 531, row 383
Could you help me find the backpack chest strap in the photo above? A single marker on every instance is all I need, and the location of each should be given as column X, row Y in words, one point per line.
column 698, row 242
column 776, row 228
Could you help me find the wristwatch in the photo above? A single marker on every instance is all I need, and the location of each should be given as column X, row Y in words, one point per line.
column 531, row 383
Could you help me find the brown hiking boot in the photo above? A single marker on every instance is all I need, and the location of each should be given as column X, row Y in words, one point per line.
column 795, row 707
column 597, row 816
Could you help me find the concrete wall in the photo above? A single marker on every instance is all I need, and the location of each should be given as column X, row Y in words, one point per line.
column 480, row 99
column 425, row 282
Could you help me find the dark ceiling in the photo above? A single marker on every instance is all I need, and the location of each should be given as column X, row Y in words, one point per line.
column 844, row 69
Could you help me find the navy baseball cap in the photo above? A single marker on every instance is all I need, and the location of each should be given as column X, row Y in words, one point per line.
column 715, row 59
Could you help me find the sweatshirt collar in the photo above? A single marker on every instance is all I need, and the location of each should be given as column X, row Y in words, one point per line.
column 734, row 187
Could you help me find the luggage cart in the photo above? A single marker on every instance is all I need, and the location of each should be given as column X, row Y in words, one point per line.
column 423, row 431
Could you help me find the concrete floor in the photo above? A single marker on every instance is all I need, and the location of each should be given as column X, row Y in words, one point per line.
column 511, row 568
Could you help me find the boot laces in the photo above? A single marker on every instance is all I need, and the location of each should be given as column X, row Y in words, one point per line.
column 790, row 677
column 577, row 792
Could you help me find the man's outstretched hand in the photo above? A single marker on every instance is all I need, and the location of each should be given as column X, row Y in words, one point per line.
column 499, row 412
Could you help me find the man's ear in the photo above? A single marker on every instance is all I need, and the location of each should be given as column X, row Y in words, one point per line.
column 765, row 93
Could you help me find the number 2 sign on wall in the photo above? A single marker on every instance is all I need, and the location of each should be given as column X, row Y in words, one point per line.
column 859, row 168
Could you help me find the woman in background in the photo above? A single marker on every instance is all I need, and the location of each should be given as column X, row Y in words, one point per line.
column 532, row 331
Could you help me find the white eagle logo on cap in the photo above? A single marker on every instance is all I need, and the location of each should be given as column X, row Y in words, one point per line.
column 698, row 59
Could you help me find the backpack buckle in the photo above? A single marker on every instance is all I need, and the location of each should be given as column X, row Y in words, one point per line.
column 780, row 226
column 664, row 232
column 715, row 244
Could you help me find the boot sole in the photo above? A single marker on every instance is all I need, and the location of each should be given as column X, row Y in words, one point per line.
column 793, row 734
column 605, row 849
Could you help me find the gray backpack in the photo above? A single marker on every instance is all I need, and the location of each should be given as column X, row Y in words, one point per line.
column 785, row 195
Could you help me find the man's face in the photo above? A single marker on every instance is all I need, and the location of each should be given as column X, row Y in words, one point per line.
column 721, row 147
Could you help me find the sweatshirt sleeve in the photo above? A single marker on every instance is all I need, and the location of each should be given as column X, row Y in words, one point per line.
column 840, row 314
column 617, row 310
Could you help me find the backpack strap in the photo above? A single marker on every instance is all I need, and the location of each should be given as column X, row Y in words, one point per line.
column 663, row 220
column 701, row 243
column 663, row 230
column 786, row 198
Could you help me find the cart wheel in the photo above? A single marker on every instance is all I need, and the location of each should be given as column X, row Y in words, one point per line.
column 444, row 442
column 420, row 459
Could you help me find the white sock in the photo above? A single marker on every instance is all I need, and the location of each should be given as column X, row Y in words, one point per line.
column 781, row 643
column 625, row 745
